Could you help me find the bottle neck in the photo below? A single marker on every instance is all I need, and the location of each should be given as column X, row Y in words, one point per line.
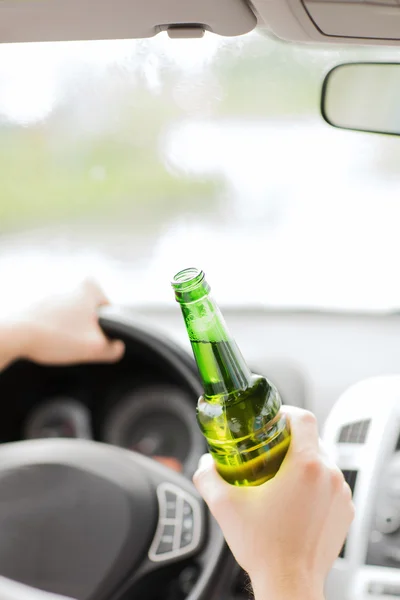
column 221, row 365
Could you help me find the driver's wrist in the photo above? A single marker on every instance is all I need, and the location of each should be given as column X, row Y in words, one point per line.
column 285, row 587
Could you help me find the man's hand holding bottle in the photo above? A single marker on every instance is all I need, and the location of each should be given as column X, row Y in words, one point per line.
column 287, row 532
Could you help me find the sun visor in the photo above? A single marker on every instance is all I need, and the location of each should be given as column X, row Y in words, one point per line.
column 61, row 20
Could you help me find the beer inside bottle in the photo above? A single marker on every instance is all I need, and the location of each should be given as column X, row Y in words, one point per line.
column 239, row 412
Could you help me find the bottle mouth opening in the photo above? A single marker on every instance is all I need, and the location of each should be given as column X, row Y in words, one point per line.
column 187, row 279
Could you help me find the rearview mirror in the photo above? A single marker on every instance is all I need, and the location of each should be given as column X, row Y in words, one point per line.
column 363, row 97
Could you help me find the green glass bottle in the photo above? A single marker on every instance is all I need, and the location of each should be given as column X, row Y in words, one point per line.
column 239, row 413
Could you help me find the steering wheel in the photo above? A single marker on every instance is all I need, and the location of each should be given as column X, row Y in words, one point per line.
column 89, row 521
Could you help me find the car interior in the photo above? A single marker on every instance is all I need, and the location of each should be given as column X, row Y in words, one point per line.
column 257, row 141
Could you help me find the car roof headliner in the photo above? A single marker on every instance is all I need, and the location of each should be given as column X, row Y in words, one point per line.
column 326, row 21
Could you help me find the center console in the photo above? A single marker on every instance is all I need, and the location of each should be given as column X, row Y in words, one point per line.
column 362, row 434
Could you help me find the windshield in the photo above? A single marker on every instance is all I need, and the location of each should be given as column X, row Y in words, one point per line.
column 130, row 160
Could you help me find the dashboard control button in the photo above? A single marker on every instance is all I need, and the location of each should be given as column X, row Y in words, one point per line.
column 388, row 520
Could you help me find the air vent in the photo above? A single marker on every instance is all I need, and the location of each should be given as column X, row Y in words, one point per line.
column 354, row 433
column 351, row 478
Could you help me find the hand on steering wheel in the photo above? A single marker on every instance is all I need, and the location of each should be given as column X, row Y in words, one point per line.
column 61, row 330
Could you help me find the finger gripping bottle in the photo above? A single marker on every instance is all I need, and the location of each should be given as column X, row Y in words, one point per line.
column 240, row 412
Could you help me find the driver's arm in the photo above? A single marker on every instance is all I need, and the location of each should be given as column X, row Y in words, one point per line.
column 62, row 330
column 287, row 532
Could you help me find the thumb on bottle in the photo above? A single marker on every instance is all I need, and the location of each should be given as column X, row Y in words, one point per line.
column 210, row 484
column 206, row 463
